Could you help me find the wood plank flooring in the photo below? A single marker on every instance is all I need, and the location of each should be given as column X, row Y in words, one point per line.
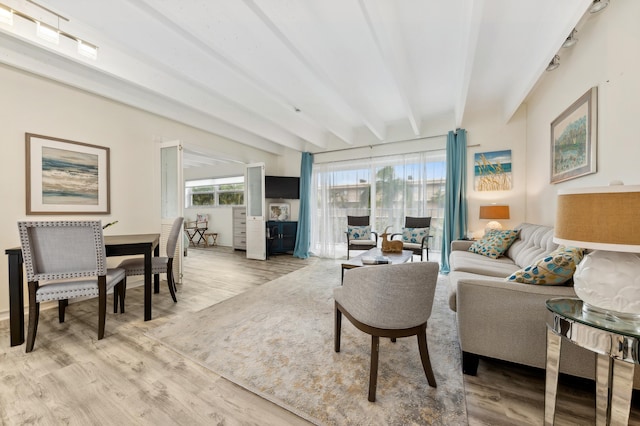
column 127, row 378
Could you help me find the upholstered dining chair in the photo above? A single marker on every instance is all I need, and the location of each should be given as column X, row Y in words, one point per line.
column 415, row 235
column 159, row 265
column 359, row 234
column 65, row 260
column 388, row 301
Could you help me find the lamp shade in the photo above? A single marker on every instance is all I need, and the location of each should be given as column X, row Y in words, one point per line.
column 601, row 218
column 494, row 212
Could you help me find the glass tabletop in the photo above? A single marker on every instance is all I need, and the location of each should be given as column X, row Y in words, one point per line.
column 575, row 310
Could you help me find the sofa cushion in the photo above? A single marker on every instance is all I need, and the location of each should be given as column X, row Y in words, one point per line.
column 359, row 232
column 494, row 243
column 555, row 269
column 533, row 243
column 466, row 261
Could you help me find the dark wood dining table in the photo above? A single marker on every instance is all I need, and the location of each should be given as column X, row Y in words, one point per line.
column 115, row 245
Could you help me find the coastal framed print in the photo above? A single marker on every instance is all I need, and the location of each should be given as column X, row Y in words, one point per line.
column 492, row 171
column 66, row 177
column 574, row 136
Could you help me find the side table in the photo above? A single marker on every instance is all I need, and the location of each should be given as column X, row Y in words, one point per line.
column 616, row 343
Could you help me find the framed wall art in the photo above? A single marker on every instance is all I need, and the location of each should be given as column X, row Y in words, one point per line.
column 574, row 137
column 279, row 211
column 66, row 177
column 492, row 171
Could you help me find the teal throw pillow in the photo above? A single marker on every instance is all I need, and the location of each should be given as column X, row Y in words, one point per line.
column 555, row 269
column 359, row 232
column 414, row 235
column 494, row 243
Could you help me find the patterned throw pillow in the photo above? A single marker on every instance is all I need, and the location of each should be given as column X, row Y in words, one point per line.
column 359, row 232
column 556, row 268
column 494, row 243
column 414, row 235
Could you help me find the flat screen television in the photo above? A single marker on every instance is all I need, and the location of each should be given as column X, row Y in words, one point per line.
column 282, row 187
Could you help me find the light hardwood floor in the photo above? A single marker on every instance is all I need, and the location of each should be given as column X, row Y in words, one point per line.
column 128, row 378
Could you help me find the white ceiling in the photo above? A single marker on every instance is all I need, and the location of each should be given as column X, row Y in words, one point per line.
column 309, row 75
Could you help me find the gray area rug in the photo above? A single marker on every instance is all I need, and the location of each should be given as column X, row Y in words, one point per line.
column 277, row 341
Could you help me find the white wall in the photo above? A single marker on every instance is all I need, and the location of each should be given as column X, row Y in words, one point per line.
column 606, row 57
column 35, row 105
column 487, row 130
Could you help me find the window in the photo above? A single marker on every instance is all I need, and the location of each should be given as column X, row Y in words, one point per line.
column 385, row 188
column 215, row 192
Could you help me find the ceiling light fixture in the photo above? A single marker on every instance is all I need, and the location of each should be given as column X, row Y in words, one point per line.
column 555, row 63
column 571, row 40
column 598, row 5
column 48, row 32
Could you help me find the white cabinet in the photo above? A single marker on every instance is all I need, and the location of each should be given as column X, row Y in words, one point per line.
column 239, row 228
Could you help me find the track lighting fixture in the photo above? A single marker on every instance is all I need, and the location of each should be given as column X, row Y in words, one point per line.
column 598, row 5
column 555, row 63
column 571, row 40
column 48, row 32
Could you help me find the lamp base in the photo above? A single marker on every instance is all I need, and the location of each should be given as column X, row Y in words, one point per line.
column 614, row 316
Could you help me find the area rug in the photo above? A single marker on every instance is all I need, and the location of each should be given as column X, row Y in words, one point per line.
column 277, row 341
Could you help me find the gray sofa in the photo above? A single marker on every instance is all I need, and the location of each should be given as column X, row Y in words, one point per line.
column 507, row 320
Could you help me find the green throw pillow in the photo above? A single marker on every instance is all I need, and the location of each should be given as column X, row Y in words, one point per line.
column 359, row 232
column 555, row 269
column 494, row 243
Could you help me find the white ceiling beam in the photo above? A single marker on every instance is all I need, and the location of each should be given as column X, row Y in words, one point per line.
column 469, row 26
column 300, row 123
column 517, row 94
column 392, row 52
column 369, row 118
column 22, row 54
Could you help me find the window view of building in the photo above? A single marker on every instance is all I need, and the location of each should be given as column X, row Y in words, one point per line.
column 215, row 192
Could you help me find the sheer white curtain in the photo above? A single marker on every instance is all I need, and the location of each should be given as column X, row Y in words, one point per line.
column 385, row 188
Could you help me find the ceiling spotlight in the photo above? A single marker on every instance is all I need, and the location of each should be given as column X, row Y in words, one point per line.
column 598, row 5
column 571, row 40
column 555, row 63
column 6, row 15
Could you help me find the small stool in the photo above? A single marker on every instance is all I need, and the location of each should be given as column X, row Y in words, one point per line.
column 214, row 237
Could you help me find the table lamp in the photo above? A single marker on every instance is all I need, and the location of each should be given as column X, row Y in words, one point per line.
column 493, row 212
column 606, row 220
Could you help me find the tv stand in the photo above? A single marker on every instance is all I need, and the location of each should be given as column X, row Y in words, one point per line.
column 281, row 236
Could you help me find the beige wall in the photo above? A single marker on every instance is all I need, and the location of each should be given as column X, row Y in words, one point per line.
column 35, row 105
column 606, row 57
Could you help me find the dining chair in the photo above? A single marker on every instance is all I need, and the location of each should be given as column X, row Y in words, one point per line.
column 159, row 265
column 65, row 260
column 359, row 234
column 415, row 235
column 388, row 301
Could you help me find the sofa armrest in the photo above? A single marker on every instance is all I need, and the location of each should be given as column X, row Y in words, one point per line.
column 461, row 245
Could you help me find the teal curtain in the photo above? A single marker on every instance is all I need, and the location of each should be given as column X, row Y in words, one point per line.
column 455, row 210
column 303, row 237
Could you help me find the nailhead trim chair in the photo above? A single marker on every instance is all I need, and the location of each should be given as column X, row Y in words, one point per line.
column 159, row 265
column 388, row 301
column 64, row 260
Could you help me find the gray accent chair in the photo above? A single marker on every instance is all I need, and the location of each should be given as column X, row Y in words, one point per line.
column 64, row 260
column 159, row 265
column 388, row 301
column 360, row 244
column 422, row 246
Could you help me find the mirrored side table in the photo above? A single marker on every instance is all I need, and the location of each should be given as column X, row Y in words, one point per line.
column 615, row 342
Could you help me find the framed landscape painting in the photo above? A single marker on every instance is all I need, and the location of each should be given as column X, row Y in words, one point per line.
column 66, row 177
column 574, row 139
